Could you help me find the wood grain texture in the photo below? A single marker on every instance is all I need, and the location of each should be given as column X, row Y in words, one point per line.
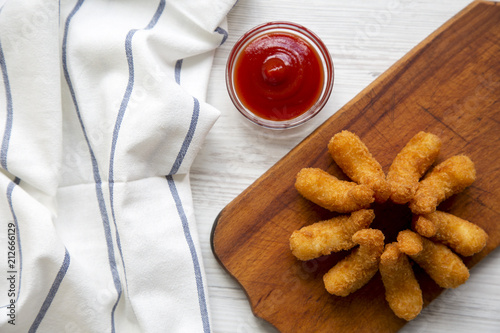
column 448, row 85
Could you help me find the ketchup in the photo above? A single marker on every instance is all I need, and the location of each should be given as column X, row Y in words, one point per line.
column 278, row 76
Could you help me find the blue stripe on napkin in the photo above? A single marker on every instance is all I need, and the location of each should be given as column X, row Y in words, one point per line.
column 119, row 118
column 223, row 33
column 95, row 168
column 178, row 67
column 188, row 138
column 180, row 210
column 52, row 293
column 8, row 123
column 194, row 256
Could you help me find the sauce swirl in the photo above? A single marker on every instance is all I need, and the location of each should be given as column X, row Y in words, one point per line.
column 278, row 76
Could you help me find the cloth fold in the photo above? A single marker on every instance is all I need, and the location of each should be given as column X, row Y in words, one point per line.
column 102, row 112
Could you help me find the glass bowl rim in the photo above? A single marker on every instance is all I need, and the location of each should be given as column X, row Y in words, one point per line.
column 309, row 37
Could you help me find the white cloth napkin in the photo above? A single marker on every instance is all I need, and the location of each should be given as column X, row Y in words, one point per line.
column 101, row 114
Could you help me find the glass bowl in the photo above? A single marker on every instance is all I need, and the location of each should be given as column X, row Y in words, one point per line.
column 279, row 75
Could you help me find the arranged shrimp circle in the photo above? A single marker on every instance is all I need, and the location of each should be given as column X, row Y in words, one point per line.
column 434, row 242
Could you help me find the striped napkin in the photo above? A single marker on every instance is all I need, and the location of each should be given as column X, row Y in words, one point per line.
column 101, row 114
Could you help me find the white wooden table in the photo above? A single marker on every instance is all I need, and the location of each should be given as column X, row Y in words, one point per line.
column 365, row 38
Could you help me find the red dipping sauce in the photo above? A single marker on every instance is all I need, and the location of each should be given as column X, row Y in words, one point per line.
column 279, row 75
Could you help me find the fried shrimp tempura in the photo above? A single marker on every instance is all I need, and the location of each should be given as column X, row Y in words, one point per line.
column 449, row 177
column 408, row 243
column 443, row 266
column 410, row 165
column 325, row 237
column 353, row 157
column 402, row 290
column 332, row 193
column 355, row 270
column 462, row 236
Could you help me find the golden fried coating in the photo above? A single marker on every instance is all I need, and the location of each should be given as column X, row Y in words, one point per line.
column 449, row 177
column 410, row 165
column 408, row 243
column 353, row 157
column 462, row 236
column 423, row 226
column 325, row 237
column 402, row 290
column 355, row 270
column 331, row 193
column 445, row 267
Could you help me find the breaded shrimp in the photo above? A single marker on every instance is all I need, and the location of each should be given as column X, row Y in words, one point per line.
column 353, row 157
column 410, row 165
column 462, row 236
column 445, row 267
column 355, row 270
column 402, row 290
column 449, row 177
column 408, row 243
column 331, row 193
column 333, row 235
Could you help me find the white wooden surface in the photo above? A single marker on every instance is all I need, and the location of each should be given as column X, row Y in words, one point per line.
column 365, row 38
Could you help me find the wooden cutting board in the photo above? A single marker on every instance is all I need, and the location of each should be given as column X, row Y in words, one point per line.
column 448, row 85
